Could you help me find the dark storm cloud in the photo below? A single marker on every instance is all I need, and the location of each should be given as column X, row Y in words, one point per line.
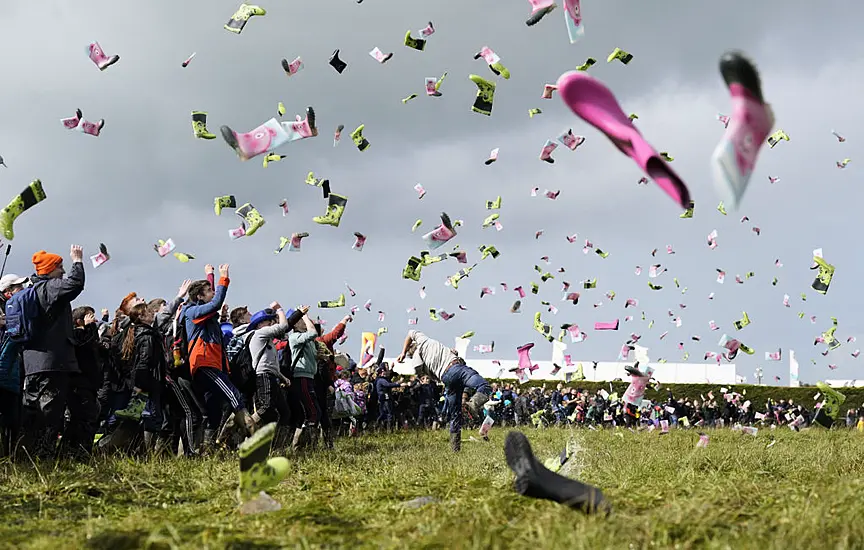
column 147, row 177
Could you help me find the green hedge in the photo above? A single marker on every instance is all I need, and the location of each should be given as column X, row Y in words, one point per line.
column 756, row 394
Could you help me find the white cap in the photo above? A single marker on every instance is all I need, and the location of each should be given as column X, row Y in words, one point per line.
column 11, row 280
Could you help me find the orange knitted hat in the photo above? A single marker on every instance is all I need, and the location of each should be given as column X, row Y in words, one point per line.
column 45, row 262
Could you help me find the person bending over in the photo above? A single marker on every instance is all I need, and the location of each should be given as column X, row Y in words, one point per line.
column 451, row 370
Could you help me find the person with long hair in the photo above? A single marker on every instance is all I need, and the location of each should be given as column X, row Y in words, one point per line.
column 144, row 350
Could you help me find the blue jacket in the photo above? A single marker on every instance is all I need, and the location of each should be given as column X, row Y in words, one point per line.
column 10, row 364
column 204, row 331
column 383, row 388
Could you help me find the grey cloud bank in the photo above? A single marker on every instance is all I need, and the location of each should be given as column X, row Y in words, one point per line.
column 147, row 177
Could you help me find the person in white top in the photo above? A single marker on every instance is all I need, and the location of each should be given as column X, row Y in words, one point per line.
column 452, row 371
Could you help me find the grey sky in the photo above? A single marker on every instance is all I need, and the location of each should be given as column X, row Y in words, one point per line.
column 148, row 178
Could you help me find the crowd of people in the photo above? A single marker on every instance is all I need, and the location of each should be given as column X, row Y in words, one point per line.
column 190, row 375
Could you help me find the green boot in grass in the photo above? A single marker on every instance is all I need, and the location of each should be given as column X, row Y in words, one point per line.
column 257, row 471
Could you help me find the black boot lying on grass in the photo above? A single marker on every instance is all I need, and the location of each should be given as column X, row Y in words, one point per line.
column 535, row 480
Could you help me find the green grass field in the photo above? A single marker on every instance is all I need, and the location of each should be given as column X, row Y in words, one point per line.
column 803, row 492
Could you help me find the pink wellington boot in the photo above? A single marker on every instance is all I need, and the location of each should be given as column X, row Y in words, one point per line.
column 72, row 122
column 441, row 234
column 98, row 57
column 262, row 139
column 573, row 18
column 588, row 98
column 92, row 128
column 270, row 135
column 747, row 128
column 539, row 9
column 303, row 128
column 525, row 357
column 638, row 383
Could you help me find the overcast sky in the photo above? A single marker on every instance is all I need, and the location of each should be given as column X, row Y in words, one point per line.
column 147, row 178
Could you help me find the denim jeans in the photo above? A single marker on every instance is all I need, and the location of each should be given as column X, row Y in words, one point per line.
column 456, row 379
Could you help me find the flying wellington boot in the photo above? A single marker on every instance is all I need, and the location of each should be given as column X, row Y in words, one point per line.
column 357, row 137
column 98, row 57
column 199, row 125
column 830, row 409
column 494, row 62
column 488, row 250
column 542, row 328
column 257, row 472
column 329, row 304
column 413, row 269
column 735, row 156
column 461, row 274
column 225, row 201
column 776, row 137
column 242, row 16
column 254, row 220
column 270, row 135
column 272, row 157
column 72, row 122
column 620, row 55
column 539, row 9
column 418, row 44
column 485, row 95
column 688, row 212
column 92, row 128
column 302, row 128
column 337, row 63
column 824, row 277
column 335, row 210
column 32, row 195
column 588, row 63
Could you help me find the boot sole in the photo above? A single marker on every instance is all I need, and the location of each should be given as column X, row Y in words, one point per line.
column 737, row 69
column 536, row 17
column 231, row 140
column 112, row 61
column 310, row 118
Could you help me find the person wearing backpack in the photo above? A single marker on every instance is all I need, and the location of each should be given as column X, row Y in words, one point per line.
column 10, row 374
column 304, row 351
column 207, row 359
column 240, row 364
column 266, row 326
column 183, row 412
column 41, row 318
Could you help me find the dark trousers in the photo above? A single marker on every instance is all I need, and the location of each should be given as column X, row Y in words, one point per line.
column 46, row 397
column 385, row 412
column 305, row 401
column 322, row 394
column 154, row 416
column 216, row 389
column 83, row 416
column 10, row 421
column 425, row 414
column 456, row 379
column 182, row 416
column 270, row 402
